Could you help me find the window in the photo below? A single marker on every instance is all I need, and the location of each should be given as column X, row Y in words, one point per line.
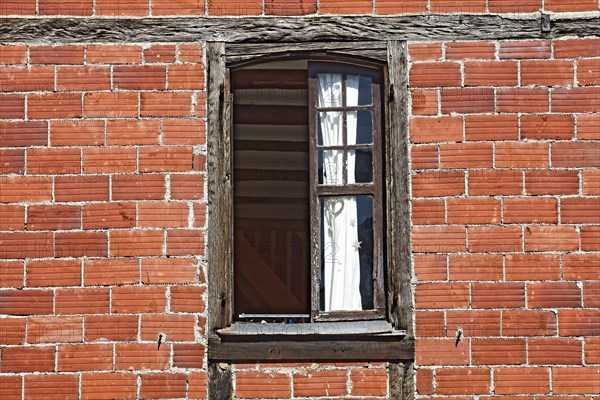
column 307, row 173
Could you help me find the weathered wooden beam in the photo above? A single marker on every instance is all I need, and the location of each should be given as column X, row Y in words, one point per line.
column 293, row 30
column 341, row 349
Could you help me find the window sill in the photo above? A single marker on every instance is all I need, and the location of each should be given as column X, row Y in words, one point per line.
column 340, row 341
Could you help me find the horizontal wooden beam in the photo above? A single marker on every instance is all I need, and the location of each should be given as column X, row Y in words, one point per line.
column 375, row 348
column 294, row 30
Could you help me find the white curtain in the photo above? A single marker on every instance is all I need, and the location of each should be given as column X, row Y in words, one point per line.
column 340, row 219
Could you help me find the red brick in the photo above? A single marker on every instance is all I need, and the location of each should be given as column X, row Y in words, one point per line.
column 575, row 154
column 497, row 295
column 442, row 295
column 186, row 77
column 427, row 212
column 132, row 132
column 547, row 73
column 580, row 380
column 175, row 104
column 12, row 161
column 136, row 243
column 12, row 218
column 494, row 73
column 85, row 357
column 158, row 53
column 26, row 245
column 444, row 129
column 588, row 72
column 591, row 295
column 138, row 187
column 168, row 270
column 430, row 267
column 255, row 385
column 76, row 133
column 551, row 182
column 83, row 77
column 53, row 161
column 438, row 239
column 53, row 273
column 592, row 350
column 442, row 352
column 54, row 105
column 53, row 217
column 498, row 351
column 466, row 155
column 187, row 187
column 581, row 99
column 165, row 159
column 199, row 215
column 590, row 238
column 525, row 49
column 522, row 380
column 11, row 54
column 449, row 6
column 467, row 100
column 591, row 182
column 25, row 302
column 185, row 242
column 109, row 160
column 401, row 7
column 140, row 77
column 580, row 210
column 424, row 380
column 108, row 215
column 138, row 299
column 588, row 126
column 178, row 131
column 82, row 301
column 81, row 244
column 453, row 381
column 528, row 323
column 425, row 51
column 368, row 382
column 177, row 328
column 523, row 100
column 539, row 127
column 495, row 182
column 473, row 323
column 470, row 50
column 12, row 331
column 116, row 328
column 54, row 329
column 509, row 6
column 435, row 74
column 10, row 386
column 579, row 5
column 65, row 7
column 190, row 53
column 551, row 238
column 574, row 48
column 51, row 387
column 473, row 211
column 137, row 356
column 430, row 324
column 12, row 274
column 189, row 356
column 553, row 295
column 111, row 272
column 26, row 79
column 530, row 210
column 197, row 385
column 187, row 299
column 494, row 239
column 163, row 386
column 12, row 106
column 123, row 8
column 27, row 359
column 108, row 385
column 534, row 267
column 550, row 351
column 56, row 54
column 110, row 105
column 581, row 267
column 579, row 322
column 424, row 157
column 492, row 127
column 177, row 7
column 424, row 102
column 163, row 215
column 320, row 383
column 117, row 54
column 475, row 267
column 433, row 184
column 23, row 134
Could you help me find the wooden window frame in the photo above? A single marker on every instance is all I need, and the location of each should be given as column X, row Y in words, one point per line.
column 347, row 341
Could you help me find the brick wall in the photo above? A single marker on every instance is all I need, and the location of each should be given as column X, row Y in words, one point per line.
column 102, row 214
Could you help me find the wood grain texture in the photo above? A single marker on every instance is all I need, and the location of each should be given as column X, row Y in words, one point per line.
column 290, row 30
column 220, row 384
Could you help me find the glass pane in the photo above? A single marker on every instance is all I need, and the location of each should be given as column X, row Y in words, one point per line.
column 331, row 167
column 329, row 90
column 346, row 253
column 358, row 90
column 364, row 131
column 331, row 129
column 363, row 165
column 365, row 91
